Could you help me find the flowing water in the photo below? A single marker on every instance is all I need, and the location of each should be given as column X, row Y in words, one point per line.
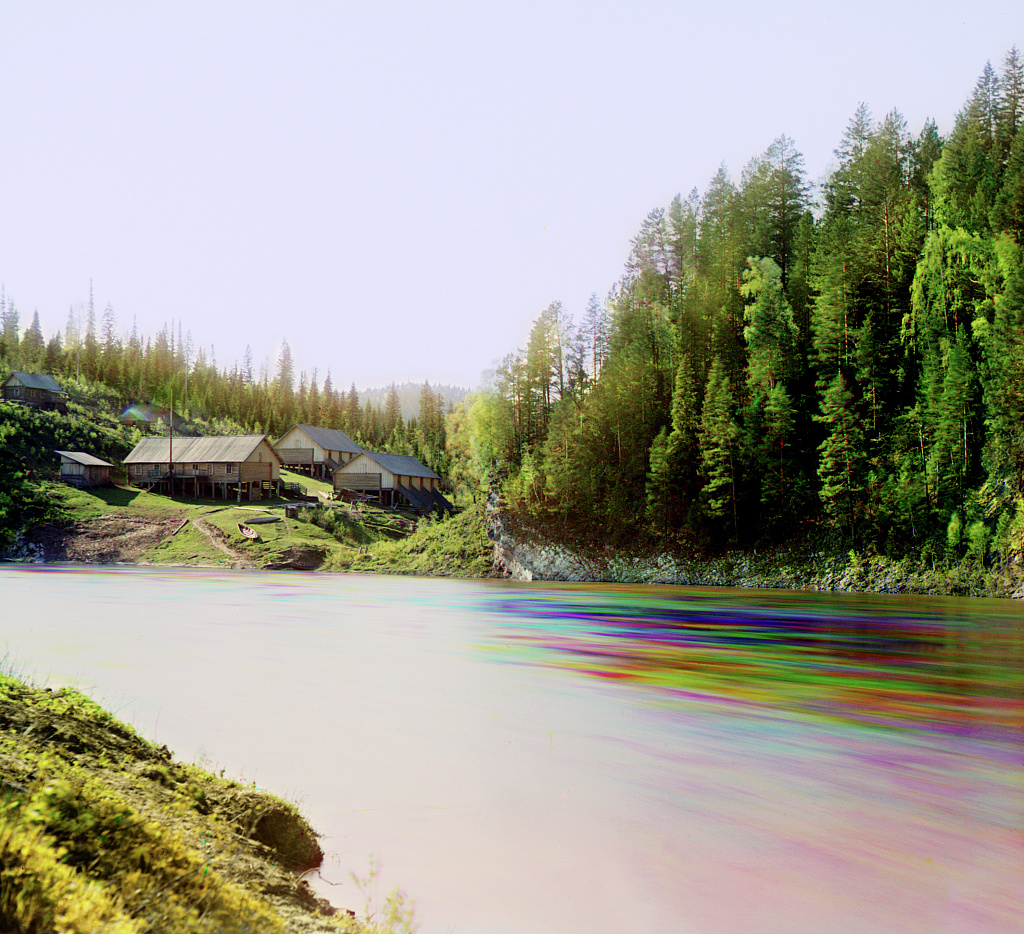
column 562, row 758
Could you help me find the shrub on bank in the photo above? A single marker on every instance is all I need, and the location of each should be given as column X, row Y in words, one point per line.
column 453, row 546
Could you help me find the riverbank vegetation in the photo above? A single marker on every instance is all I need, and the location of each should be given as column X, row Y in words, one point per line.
column 103, row 831
column 453, row 547
column 125, row 525
column 781, row 360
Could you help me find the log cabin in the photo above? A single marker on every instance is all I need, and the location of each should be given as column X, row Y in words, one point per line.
column 226, row 467
column 36, row 389
column 316, row 451
column 390, row 480
column 83, row 470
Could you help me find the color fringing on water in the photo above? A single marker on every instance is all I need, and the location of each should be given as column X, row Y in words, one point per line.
column 565, row 758
column 926, row 666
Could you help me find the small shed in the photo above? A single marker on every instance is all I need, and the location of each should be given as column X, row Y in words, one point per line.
column 36, row 389
column 391, row 480
column 84, row 470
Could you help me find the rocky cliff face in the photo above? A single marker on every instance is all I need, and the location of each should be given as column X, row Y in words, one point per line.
column 509, row 558
column 801, row 568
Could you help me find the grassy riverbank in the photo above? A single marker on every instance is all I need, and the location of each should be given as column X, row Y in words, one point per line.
column 103, row 831
column 125, row 525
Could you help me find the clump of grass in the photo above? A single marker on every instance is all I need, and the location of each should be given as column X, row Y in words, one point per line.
column 102, row 831
column 454, row 546
column 337, row 523
column 395, row 915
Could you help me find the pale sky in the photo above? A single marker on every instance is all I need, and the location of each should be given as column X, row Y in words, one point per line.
column 399, row 189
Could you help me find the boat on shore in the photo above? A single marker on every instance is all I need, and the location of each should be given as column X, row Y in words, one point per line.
column 251, row 534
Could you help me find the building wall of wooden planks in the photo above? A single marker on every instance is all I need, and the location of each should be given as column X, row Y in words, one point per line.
column 84, row 474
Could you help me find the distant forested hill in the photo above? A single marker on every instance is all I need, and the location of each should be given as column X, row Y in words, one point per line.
column 409, row 396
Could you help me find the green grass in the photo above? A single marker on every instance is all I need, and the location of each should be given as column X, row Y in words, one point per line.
column 100, row 501
column 453, row 547
column 188, row 547
column 312, row 485
column 100, row 830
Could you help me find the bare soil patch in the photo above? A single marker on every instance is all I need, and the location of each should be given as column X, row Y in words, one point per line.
column 298, row 559
column 117, row 538
column 110, row 539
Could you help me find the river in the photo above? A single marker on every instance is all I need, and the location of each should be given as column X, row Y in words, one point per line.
column 569, row 758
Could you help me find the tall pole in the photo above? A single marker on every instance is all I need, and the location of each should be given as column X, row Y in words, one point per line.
column 170, row 445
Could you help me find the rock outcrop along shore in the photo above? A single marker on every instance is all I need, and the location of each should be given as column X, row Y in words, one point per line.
column 806, row 566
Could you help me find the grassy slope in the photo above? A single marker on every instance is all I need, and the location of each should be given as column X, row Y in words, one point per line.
column 102, row 830
column 452, row 547
column 330, row 537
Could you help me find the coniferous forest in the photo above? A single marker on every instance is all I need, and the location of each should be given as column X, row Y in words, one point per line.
column 776, row 356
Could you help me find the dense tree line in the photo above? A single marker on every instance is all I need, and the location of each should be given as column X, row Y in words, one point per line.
column 155, row 371
column 768, row 357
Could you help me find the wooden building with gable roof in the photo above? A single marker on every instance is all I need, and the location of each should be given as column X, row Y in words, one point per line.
column 318, row 451
column 36, row 389
column 83, row 470
column 224, row 467
column 391, row 480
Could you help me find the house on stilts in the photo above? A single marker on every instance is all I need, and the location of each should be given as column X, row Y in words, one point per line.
column 228, row 467
column 390, row 480
column 316, row 451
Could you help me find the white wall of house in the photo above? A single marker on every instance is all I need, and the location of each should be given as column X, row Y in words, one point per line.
column 295, row 437
column 362, row 464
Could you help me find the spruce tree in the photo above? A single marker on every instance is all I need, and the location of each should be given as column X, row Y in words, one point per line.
column 660, row 485
column 719, row 446
column 951, row 458
column 770, row 332
column 392, row 411
column 33, row 345
column 841, row 464
column 781, row 485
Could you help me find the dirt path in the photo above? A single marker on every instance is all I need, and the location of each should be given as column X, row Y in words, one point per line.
column 221, row 542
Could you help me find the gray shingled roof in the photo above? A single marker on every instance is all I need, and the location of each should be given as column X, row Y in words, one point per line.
column 331, row 439
column 37, row 381
column 80, row 457
column 401, row 464
column 223, row 449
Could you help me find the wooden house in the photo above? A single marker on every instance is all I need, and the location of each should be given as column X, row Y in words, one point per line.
column 84, row 470
column 227, row 467
column 390, row 480
column 316, row 451
column 36, row 389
